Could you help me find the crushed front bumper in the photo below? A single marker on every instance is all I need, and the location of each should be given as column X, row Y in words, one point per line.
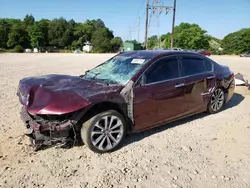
column 46, row 133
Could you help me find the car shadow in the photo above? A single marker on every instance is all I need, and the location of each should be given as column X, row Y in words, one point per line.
column 235, row 100
column 135, row 137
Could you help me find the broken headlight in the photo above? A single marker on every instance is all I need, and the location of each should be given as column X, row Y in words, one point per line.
column 24, row 95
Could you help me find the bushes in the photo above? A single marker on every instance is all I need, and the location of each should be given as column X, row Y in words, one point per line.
column 217, row 52
column 18, row 49
column 2, row 50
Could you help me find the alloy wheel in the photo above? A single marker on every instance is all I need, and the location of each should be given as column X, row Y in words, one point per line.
column 217, row 100
column 107, row 132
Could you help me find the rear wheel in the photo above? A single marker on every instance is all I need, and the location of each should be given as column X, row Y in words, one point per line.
column 104, row 132
column 217, row 101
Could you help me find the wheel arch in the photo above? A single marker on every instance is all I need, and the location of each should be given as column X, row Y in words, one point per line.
column 224, row 88
column 105, row 106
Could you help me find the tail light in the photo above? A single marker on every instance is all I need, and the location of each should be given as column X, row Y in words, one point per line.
column 232, row 75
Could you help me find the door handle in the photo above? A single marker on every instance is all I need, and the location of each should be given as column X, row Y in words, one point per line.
column 204, row 94
column 179, row 85
column 211, row 77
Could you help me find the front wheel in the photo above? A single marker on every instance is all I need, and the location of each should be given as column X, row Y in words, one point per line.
column 217, row 101
column 104, row 132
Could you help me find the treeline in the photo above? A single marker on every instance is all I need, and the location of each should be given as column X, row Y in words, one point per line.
column 192, row 36
column 17, row 35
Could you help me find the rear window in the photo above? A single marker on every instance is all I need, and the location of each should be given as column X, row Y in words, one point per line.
column 208, row 65
column 192, row 66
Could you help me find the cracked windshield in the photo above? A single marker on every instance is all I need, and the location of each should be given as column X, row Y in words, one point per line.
column 118, row 70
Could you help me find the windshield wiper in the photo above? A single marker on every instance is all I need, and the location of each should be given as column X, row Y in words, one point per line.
column 96, row 74
column 108, row 82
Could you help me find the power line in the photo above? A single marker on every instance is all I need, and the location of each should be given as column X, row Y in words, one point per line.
column 139, row 25
column 141, row 7
column 136, row 24
column 158, row 8
column 150, row 19
column 130, row 31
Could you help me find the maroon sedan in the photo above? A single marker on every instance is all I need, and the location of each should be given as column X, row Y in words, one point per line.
column 130, row 92
column 204, row 52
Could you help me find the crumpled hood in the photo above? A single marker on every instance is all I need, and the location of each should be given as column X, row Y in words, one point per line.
column 60, row 94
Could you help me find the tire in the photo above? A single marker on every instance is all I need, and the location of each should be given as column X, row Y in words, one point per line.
column 217, row 101
column 100, row 138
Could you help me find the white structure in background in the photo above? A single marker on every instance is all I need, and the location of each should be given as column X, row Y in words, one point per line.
column 35, row 50
column 77, row 51
column 28, row 50
column 87, row 47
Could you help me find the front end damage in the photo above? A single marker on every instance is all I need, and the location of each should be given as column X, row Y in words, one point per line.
column 55, row 105
column 44, row 130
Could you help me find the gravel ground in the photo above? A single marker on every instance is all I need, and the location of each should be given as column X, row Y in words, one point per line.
column 200, row 151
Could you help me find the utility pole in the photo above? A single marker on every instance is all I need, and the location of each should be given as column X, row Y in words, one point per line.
column 146, row 25
column 139, row 29
column 173, row 23
column 159, row 9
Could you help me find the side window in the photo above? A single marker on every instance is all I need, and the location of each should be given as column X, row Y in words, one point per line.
column 164, row 69
column 208, row 65
column 192, row 65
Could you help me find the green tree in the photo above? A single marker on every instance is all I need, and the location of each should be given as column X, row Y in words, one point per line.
column 12, row 21
column 69, row 33
column 58, row 32
column 4, row 31
column 237, row 42
column 101, row 40
column 18, row 36
column 44, row 28
column 37, row 37
column 132, row 41
column 166, row 40
column 191, row 36
column 28, row 20
column 188, row 36
column 153, row 42
column 214, row 45
column 116, row 43
column 83, row 32
column 98, row 23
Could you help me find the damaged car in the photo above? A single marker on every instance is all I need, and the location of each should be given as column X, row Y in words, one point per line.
column 131, row 92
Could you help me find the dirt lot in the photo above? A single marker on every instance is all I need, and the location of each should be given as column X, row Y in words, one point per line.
column 200, row 151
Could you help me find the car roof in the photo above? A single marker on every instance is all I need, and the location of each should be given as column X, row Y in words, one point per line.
column 149, row 54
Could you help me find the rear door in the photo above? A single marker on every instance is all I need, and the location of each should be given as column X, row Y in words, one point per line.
column 161, row 97
column 199, row 82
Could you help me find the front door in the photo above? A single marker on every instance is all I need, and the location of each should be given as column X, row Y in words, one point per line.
column 161, row 96
column 199, row 82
